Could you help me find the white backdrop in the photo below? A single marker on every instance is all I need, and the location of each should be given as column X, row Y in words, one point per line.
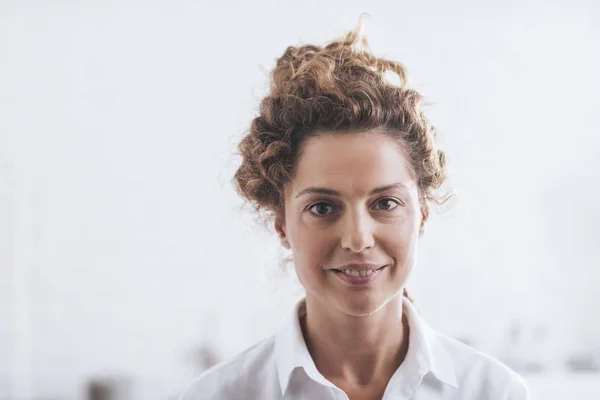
column 123, row 245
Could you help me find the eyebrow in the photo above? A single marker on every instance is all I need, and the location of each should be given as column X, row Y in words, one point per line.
column 331, row 192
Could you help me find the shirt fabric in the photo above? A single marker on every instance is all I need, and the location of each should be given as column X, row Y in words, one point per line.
column 436, row 367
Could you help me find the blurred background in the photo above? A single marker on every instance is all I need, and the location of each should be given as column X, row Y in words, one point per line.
column 127, row 262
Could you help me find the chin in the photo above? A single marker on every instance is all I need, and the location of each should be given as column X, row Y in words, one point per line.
column 361, row 306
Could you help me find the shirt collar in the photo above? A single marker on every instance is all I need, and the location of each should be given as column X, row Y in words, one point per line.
column 291, row 351
column 425, row 351
column 425, row 348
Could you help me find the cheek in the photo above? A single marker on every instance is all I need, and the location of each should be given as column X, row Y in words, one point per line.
column 311, row 251
column 312, row 245
column 310, row 242
column 401, row 237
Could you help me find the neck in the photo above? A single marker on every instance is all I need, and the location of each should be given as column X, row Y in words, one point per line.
column 352, row 349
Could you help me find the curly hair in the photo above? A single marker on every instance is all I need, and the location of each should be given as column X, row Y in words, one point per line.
column 339, row 87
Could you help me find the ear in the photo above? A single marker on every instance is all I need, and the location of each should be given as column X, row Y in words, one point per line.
column 280, row 229
column 424, row 216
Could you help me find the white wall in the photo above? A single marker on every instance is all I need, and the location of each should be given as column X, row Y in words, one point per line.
column 123, row 245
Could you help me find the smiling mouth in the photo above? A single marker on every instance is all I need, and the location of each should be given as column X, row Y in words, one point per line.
column 359, row 272
column 358, row 277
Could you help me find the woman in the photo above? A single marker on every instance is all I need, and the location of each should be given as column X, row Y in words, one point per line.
column 345, row 163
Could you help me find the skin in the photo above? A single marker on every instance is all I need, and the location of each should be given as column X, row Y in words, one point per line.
column 356, row 335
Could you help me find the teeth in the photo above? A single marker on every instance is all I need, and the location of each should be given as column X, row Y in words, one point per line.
column 354, row 272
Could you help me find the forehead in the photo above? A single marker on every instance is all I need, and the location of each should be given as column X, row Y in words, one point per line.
column 352, row 161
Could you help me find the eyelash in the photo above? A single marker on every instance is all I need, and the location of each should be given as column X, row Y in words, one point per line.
column 309, row 208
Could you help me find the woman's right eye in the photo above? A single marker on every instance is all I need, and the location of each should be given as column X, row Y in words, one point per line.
column 321, row 209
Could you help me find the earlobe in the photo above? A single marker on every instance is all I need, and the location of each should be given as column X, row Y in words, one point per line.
column 280, row 229
column 424, row 217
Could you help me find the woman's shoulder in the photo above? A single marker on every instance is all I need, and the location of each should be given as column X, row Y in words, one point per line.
column 235, row 377
column 473, row 367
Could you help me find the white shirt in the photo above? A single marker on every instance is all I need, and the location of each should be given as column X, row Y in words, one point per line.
column 436, row 367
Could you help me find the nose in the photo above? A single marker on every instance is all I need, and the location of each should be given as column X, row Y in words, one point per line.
column 357, row 233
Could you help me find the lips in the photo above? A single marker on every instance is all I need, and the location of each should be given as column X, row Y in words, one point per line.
column 361, row 267
column 356, row 276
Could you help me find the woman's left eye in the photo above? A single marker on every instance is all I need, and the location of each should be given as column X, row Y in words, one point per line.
column 387, row 204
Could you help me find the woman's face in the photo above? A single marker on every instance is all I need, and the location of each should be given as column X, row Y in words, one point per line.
column 352, row 209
